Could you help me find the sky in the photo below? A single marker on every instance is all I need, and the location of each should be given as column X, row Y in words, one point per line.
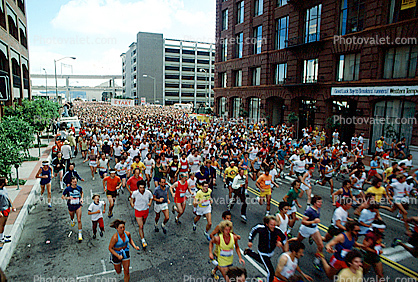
column 97, row 32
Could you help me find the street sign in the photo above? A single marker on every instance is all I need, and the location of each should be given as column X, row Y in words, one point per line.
column 4, row 88
column 143, row 101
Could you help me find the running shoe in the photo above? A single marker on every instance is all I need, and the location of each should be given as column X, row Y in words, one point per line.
column 5, row 240
column 396, row 242
column 110, row 214
column 72, row 222
column 207, row 236
column 101, row 233
column 310, row 241
column 94, row 236
column 317, row 264
column 267, row 213
column 80, row 237
column 177, row 220
column 49, row 205
column 144, row 245
column 194, row 227
column 121, row 189
column 92, row 178
column 41, row 198
column 173, row 210
column 156, row 228
column 246, row 251
column 164, row 229
column 215, row 276
column 243, row 218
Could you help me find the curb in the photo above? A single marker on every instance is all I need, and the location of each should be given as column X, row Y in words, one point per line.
column 19, row 224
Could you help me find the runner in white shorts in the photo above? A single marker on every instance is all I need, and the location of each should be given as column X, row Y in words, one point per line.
column 203, row 203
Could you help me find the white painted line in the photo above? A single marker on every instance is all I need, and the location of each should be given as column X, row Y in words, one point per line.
column 97, row 274
column 399, row 256
column 255, row 264
column 91, row 193
column 103, row 264
column 69, row 234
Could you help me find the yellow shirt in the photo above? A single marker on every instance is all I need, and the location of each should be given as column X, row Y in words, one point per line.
column 379, row 192
column 347, row 275
column 204, row 198
column 139, row 165
column 231, row 172
column 388, row 172
column 379, row 143
column 226, row 252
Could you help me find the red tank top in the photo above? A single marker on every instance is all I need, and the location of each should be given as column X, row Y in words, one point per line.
column 181, row 189
column 183, row 166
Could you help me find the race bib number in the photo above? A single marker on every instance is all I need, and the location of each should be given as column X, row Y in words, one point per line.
column 206, row 203
column 75, row 201
column 344, row 252
column 174, row 168
column 182, row 195
column 226, row 253
column 378, row 249
column 267, row 182
column 184, row 166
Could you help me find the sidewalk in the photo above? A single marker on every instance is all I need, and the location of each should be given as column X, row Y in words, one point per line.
column 23, row 199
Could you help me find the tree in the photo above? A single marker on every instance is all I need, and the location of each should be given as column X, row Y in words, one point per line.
column 292, row 118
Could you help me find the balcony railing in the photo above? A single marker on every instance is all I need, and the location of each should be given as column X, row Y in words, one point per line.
column 305, row 39
column 310, row 79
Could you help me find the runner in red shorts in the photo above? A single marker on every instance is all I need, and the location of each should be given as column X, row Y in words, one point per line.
column 141, row 200
column 180, row 187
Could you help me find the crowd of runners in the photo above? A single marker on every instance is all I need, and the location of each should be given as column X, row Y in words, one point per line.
column 161, row 158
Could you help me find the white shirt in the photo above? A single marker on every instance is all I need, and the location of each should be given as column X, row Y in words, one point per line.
column 141, row 200
column 118, row 150
column 194, row 162
column 191, row 183
column 339, row 214
column 66, row 152
column 299, row 166
column 366, row 217
column 273, row 174
column 133, row 152
column 399, row 189
column 148, row 165
column 94, row 208
column 123, row 167
column 144, row 150
column 238, row 181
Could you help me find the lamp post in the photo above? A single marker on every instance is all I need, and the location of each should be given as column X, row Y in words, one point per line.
column 56, row 82
column 153, row 78
column 206, row 91
column 46, row 82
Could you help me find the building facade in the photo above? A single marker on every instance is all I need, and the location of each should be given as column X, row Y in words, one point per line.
column 331, row 63
column 14, row 54
column 183, row 71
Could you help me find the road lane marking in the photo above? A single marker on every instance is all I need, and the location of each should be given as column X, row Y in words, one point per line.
column 103, row 264
column 254, row 263
column 97, row 274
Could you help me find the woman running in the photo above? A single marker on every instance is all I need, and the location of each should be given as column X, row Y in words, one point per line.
column 45, row 174
column 92, row 158
column 59, row 165
column 119, row 249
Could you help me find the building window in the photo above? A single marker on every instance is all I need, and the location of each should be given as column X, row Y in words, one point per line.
column 258, row 7
column 240, row 12
column 222, row 106
column 21, row 5
column 282, row 29
column 351, row 16
column 225, row 19
column 313, row 24
column 172, row 68
column 23, row 38
column 224, row 50
column 188, row 52
column 254, row 109
column 401, row 10
column 236, row 107
column 239, row 45
column 280, row 73
column 258, row 39
column 170, row 59
column 12, row 20
column 401, row 62
column 2, row 15
column 256, row 76
column 281, row 3
column 349, row 67
column 224, row 79
column 238, row 78
column 310, row 71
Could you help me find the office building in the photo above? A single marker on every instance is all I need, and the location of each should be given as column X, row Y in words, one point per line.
column 14, row 54
column 181, row 70
column 322, row 61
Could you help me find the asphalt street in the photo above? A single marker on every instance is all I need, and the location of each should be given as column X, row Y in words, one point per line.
column 49, row 251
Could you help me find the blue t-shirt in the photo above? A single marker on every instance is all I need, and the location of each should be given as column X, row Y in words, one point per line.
column 202, row 178
column 73, row 192
column 160, row 193
column 281, row 154
column 312, row 215
column 373, row 164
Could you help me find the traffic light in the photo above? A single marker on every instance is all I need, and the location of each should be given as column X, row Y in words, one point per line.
column 4, row 88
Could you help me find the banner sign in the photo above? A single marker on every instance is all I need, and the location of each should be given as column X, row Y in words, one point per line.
column 143, row 101
column 407, row 4
column 375, row 91
column 123, row 103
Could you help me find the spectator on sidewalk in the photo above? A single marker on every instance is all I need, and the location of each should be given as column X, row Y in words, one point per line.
column 66, row 154
column 6, row 207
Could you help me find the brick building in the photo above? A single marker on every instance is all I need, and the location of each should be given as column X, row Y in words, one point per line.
column 320, row 59
column 14, row 54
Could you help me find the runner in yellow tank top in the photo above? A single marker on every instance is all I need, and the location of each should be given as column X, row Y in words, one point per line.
column 226, row 242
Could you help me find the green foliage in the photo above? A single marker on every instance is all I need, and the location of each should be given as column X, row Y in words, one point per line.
column 10, row 155
column 13, row 182
column 331, row 124
column 292, row 117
